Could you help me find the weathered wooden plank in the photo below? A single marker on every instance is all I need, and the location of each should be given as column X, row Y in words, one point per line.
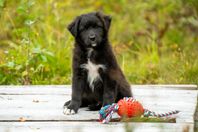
column 11, row 101
column 65, row 89
column 45, row 102
column 169, row 86
column 56, row 114
column 36, row 89
column 93, row 126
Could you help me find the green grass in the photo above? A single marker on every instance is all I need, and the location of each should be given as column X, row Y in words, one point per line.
column 151, row 119
column 154, row 41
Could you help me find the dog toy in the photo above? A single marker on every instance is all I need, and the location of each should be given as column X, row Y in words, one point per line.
column 129, row 107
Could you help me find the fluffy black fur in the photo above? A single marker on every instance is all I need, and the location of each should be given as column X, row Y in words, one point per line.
column 91, row 32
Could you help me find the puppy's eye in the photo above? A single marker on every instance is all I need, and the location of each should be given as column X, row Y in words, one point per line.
column 93, row 26
column 97, row 26
column 83, row 28
column 100, row 26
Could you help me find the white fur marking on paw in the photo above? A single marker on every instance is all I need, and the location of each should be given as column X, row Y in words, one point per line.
column 93, row 75
column 72, row 112
column 67, row 111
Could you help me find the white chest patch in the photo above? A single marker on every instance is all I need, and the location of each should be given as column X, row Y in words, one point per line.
column 92, row 75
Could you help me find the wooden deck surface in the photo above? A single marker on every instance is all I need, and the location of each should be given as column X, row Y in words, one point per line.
column 39, row 108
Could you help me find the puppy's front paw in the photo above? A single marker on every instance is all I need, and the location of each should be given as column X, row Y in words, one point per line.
column 68, row 111
column 70, row 108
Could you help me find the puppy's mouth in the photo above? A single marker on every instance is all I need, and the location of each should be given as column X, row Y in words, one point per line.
column 93, row 44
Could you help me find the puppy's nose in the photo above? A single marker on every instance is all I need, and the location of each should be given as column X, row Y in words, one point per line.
column 92, row 37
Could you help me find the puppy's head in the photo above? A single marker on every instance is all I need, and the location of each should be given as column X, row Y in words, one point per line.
column 90, row 29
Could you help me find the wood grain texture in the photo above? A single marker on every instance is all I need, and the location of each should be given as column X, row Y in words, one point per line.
column 93, row 127
column 38, row 105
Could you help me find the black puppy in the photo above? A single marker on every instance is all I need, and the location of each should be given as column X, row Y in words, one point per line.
column 97, row 78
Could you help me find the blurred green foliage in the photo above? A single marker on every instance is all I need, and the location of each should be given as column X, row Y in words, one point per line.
column 154, row 41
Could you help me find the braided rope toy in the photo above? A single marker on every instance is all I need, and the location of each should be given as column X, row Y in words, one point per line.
column 129, row 107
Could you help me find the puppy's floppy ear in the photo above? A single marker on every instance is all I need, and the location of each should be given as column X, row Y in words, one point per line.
column 105, row 19
column 73, row 27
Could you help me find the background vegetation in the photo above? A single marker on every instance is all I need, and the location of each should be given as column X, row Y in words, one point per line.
column 155, row 41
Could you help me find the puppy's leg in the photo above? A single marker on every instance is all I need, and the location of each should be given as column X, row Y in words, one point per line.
column 95, row 106
column 66, row 103
column 109, row 94
column 124, row 90
column 84, row 103
column 71, row 107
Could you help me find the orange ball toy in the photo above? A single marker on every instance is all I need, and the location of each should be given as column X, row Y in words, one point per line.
column 130, row 108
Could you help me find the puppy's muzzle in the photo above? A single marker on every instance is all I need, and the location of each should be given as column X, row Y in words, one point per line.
column 92, row 37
